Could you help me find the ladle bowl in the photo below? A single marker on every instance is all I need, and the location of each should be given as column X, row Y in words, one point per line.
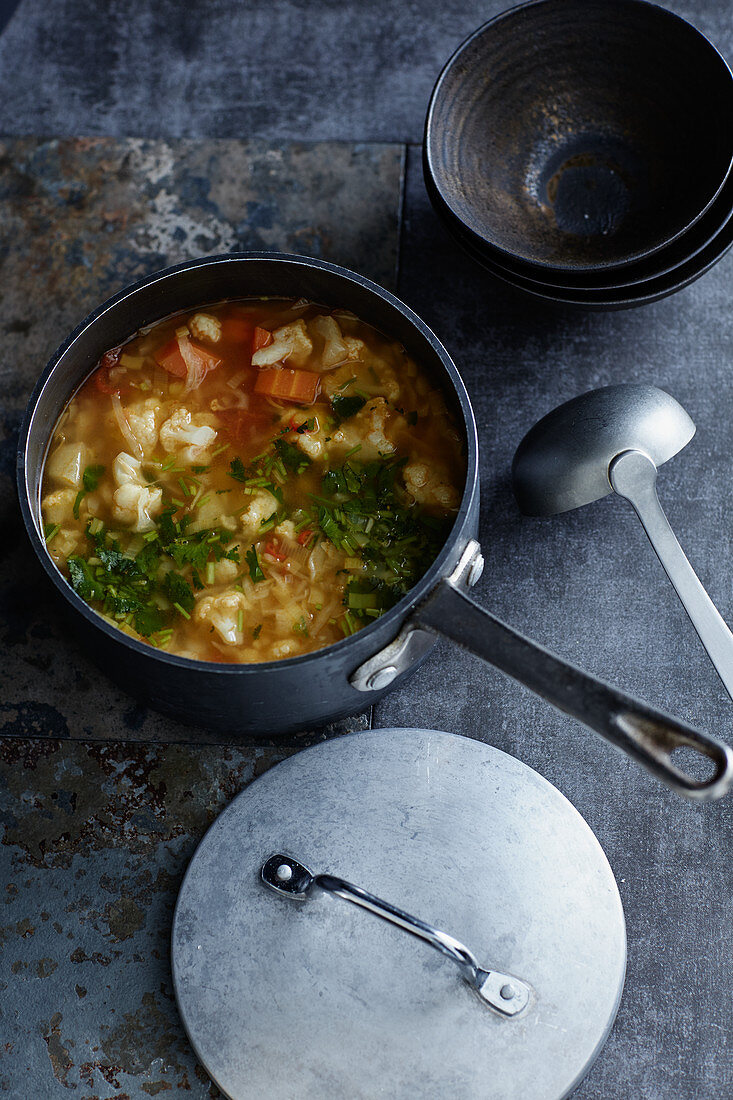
column 612, row 440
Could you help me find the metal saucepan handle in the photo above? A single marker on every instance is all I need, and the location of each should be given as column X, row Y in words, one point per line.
column 502, row 992
column 634, row 476
column 646, row 735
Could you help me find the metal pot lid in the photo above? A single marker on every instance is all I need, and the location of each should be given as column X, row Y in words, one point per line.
column 288, row 991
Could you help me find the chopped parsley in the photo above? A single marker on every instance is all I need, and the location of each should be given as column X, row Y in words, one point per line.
column 255, row 570
column 346, row 407
column 237, row 469
column 90, row 481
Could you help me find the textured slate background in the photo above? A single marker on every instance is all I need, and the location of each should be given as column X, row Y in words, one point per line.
column 96, row 835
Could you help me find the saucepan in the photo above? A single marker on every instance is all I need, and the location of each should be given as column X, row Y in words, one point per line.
column 278, row 697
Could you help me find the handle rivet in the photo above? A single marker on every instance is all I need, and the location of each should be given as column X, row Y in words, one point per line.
column 381, row 677
column 508, row 992
column 475, row 571
column 284, row 873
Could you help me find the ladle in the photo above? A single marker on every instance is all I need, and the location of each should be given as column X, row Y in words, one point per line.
column 613, row 439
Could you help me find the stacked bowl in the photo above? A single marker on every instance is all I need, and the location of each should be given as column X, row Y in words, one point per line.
column 581, row 150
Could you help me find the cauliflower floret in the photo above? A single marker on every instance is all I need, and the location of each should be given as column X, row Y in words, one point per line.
column 203, row 326
column 337, row 348
column 210, row 514
column 126, row 469
column 222, row 612
column 134, row 503
column 290, row 342
column 309, row 444
column 262, row 505
column 286, row 530
column 67, row 464
column 187, row 432
column 430, row 485
column 143, row 421
column 378, row 379
column 373, row 429
column 225, row 570
column 58, row 506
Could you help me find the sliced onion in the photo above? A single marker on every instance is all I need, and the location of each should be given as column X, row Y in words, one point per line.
column 327, row 612
column 195, row 364
column 235, row 400
column 236, row 379
column 124, row 425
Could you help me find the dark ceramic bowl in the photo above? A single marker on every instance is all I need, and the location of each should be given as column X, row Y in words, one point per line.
column 648, row 290
column 629, row 278
column 578, row 136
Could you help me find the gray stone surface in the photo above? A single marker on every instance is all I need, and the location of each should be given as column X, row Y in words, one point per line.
column 96, row 836
column 344, row 70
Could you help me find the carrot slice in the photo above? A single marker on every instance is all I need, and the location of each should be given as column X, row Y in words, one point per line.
column 300, row 386
column 262, row 338
column 170, row 359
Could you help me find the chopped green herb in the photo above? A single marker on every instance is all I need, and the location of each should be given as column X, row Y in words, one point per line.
column 90, row 477
column 178, row 591
column 301, row 627
column 291, row 458
column 50, row 530
column 257, row 631
column 237, row 469
column 346, row 407
column 252, row 560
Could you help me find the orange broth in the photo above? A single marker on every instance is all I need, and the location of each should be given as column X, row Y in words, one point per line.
column 251, row 481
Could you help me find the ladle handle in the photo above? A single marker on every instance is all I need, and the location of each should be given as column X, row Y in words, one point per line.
column 648, row 736
column 634, row 477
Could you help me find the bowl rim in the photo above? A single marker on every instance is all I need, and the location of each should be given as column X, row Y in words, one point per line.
column 661, row 288
column 540, row 266
column 396, row 614
column 484, row 253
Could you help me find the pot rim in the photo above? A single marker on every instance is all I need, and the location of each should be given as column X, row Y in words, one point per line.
column 439, row 568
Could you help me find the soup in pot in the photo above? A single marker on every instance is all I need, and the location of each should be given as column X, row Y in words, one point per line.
column 251, row 481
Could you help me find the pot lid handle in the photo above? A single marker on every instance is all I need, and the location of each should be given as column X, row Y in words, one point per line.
column 502, row 992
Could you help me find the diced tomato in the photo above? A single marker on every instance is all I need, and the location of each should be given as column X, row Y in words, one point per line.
column 245, row 426
column 304, row 537
column 299, row 386
column 262, row 337
column 275, row 550
column 170, row 359
column 236, row 330
column 101, row 377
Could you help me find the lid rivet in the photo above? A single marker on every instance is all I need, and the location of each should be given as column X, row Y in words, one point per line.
column 284, row 873
column 507, row 991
